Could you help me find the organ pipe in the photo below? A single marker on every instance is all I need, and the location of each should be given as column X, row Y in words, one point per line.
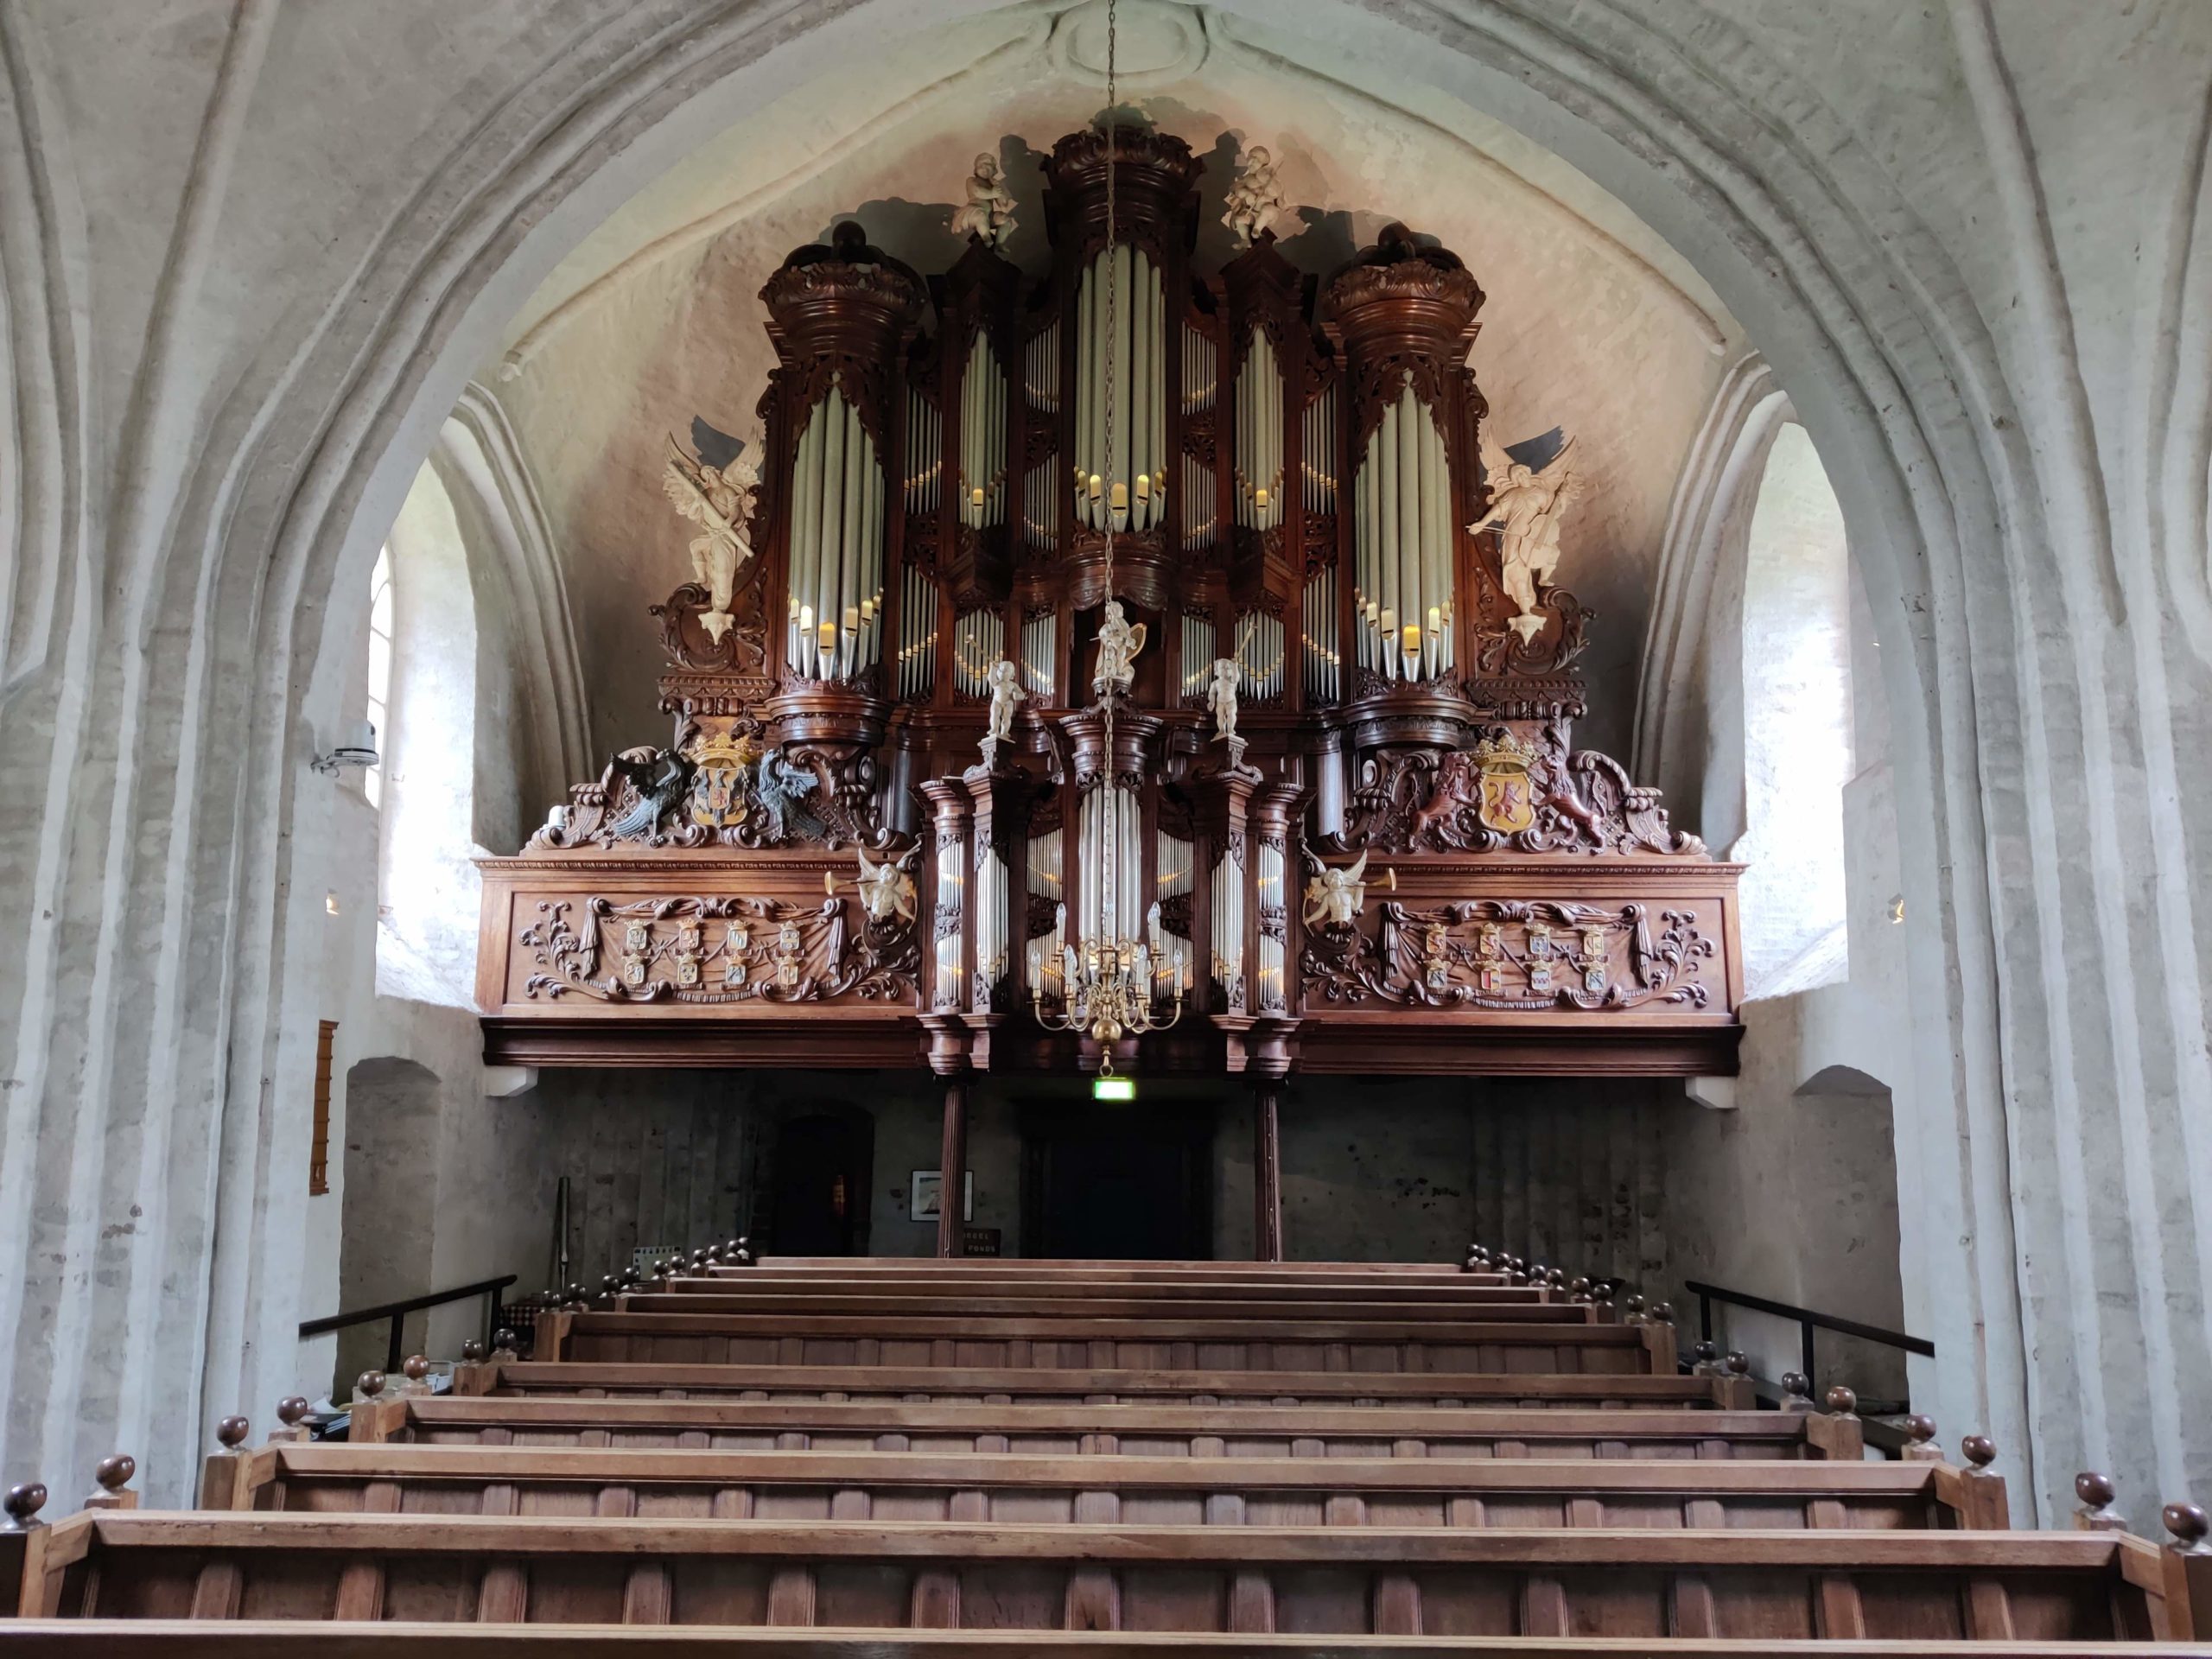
column 838, row 496
column 1137, row 350
column 982, row 437
column 1259, row 436
column 1045, row 882
column 990, row 924
column 1403, row 545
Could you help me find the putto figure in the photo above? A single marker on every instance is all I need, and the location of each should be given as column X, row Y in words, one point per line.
column 1221, row 698
column 1526, row 505
column 1119, row 642
column 988, row 214
column 719, row 499
column 1335, row 898
column 1005, row 679
column 886, row 888
column 1254, row 198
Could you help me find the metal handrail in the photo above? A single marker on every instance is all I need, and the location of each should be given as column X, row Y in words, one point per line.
column 397, row 1312
column 1807, row 1320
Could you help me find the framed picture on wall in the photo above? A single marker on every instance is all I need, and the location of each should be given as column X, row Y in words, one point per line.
column 926, row 1200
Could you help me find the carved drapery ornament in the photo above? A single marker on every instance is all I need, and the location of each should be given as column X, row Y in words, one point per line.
column 717, row 951
column 1511, row 954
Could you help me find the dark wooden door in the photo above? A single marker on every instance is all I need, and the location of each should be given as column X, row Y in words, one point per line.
column 1102, row 1183
column 820, row 1185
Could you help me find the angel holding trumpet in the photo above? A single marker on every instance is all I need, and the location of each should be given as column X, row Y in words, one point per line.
column 719, row 499
column 1526, row 505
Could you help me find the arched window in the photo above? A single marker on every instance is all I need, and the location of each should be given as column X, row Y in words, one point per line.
column 376, row 711
column 1796, row 724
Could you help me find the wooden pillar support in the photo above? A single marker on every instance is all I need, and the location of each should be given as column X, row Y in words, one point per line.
column 952, row 1220
column 1266, row 1170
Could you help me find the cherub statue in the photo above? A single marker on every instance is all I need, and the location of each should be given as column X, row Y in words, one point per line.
column 1334, row 898
column 719, row 499
column 988, row 214
column 1005, row 680
column 1526, row 505
column 1255, row 197
column 887, row 890
column 1119, row 642
column 1221, row 698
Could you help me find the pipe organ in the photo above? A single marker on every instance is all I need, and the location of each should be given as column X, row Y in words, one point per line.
column 888, row 827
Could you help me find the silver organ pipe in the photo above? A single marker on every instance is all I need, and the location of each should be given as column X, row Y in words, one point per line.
column 978, row 640
column 1113, row 813
column 1260, row 656
column 1201, row 377
column 1041, row 369
column 1198, row 500
column 1403, row 545
column 1259, row 436
column 1043, row 862
column 1039, row 640
column 1040, row 497
column 990, row 922
column 1170, row 956
column 951, row 895
column 925, row 459
column 1323, row 668
column 1319, row 451
column 1268, row 979
column 917, row 636
column 1199, row 653
column 1138, row 350
column 1227, row 944
column 982, row 437
column 806, row 545
column 1199, row 371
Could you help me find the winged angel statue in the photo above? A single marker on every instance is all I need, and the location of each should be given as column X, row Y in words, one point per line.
column 1526, row 506
column 719, row 499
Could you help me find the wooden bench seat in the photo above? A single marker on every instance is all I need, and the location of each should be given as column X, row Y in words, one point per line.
column 1652, row 1584
column 795, row 1338
column 278, row 1639
column 1018, row 1490
column 1089, row 1268
column 1552, row 1433
column 984, row 1385
column 1509, row 1303
column 1179, row 1289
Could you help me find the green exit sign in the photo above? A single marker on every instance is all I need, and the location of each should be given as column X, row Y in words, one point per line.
column 1114, row 1089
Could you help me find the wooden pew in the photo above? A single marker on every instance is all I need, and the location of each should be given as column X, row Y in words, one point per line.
column 1018, row 1490
column 1509, row 1303
column 1182, row 1290
column 1038, row 1385
column 1292, row 1344
column 1551, row 1433
column 1104, row 1267
column 257, row 1639
column 1650, row 1585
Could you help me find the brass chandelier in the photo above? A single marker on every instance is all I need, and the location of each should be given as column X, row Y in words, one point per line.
column 1108, row 984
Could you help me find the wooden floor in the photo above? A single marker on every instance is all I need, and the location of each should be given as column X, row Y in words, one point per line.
column 875, row 1458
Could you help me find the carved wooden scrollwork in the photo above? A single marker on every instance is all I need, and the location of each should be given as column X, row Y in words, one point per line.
column 1414, row 800
column 716, row 951
column 1511, row 955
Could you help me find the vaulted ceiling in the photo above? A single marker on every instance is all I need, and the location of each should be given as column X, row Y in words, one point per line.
column 1593, row 322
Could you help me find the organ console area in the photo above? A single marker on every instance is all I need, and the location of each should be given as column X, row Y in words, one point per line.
column 1284, row 780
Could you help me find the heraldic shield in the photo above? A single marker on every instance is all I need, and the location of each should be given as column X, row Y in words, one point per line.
column 1508, row 802
column 718, row 786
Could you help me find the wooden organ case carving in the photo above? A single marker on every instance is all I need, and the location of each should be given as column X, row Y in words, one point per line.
column 1399, row 864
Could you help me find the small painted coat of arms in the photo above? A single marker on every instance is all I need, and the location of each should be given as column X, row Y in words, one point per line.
column 1508, row 801
column 724, row 763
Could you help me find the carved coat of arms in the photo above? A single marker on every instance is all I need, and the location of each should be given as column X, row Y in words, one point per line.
column 1508, row 802
column 718, row 784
